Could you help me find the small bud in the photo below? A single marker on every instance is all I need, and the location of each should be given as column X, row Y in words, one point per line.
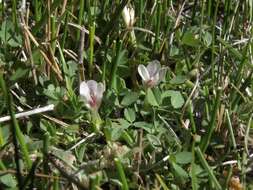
column 193, row 73
column 128, row 15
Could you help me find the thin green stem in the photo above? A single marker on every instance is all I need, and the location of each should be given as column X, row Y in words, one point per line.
column 37, row 10
column 92, row 35
column 213, row 41
column 53, row 33
column 206, row 139
column 190, row 111
column 1, row 137
column 113, row 82
column 17, row 134
column 65, row 72
column 158, row 25
column 14, row 13
column 121, row 174
column 230, row 128
column 209, row 8
column 140, row 13
column 65, row 30
column 80, row 17
column 207, row 168
column 105, row 60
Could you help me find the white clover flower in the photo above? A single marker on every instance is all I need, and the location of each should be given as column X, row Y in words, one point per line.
column 92, row 93
column 128, row 15
column 153, row 74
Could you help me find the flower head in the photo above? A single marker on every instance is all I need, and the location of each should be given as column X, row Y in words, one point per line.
column 92, row 93
column 128, row 15
column 153, row 74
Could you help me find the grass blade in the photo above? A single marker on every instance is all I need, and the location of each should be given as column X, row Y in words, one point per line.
column 121, row 174
column 207, row 137
column 207, row 168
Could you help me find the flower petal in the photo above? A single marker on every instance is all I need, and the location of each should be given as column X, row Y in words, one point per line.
column 153, row 67
column 155, row 80
column 84, row 91
column 126, row 16
column 131, row 12
column 143, row 72
column 100, row 91
column 93, row 87
column 162, row 74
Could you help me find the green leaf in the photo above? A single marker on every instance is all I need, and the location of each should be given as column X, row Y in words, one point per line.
column 73, row 68
column 207, row 38
column 230, row 48
column 183, row 157
column 120, row 83
column 8, row 35
column 154, row 140
column 115, row 130
column 109, row 101
column 193, row 175
column 144, row 125
column 123, row 123
column 174, row 51
column 72, row 128
column 65, row 156
column 177, row 100
column 180, row 79
column 6, row 26
column 19, row 73
column 190, row 39
column 5, row 133
column 50, row 92
column 143, row 47
column 116, row 133
column 129, row 114
column 180, row 173
column 129, row 98
column 8, row 180
column 15, row 41
column 158, row 95
column 151, row 98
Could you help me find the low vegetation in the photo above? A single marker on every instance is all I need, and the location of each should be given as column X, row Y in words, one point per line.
column 126, row 94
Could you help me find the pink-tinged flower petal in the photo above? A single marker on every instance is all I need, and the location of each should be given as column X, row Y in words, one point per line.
column 143, row 72
column 162, row 74
column 156, row 79
column 153, row 67
column 100, row 90
column 85, row 91
column 93, row 87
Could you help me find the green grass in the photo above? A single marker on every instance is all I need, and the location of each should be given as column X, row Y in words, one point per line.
column 193, row 130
